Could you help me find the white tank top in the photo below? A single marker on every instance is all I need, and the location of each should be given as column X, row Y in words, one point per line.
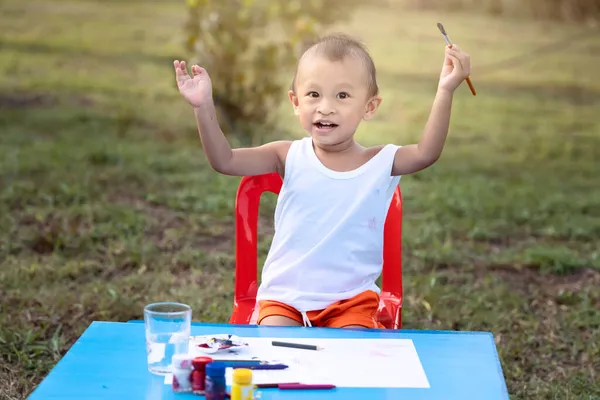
column 328, row 241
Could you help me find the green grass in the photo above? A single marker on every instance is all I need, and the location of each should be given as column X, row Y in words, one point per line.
column 107, row 203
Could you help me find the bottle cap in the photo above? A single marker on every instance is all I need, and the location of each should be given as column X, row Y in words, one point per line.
column 181, row 361
column 242, row 376
column 200, row 362
column 215, row 369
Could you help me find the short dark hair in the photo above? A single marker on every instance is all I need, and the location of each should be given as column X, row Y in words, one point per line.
column 336, row 47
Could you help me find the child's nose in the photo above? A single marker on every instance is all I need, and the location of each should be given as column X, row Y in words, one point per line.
column 325, row 107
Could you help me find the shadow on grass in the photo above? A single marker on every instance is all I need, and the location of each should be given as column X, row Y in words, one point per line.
column 577, row 95
column 88, row 54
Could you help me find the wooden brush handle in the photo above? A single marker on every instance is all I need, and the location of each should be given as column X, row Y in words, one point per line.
column 471, row 86
column 468, row 81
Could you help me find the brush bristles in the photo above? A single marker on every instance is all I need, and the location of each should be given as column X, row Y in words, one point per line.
column 441, row 28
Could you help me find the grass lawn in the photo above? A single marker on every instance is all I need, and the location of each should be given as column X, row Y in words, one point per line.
column 107, row 202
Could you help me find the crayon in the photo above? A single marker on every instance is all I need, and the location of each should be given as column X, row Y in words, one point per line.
column 258, row 366
column 296, row 345
column 299, row 386
column 273, row 385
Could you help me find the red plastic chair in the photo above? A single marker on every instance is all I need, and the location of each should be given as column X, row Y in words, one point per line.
column 246, row 271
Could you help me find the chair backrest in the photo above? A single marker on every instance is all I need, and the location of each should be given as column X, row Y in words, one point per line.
column 246, row 235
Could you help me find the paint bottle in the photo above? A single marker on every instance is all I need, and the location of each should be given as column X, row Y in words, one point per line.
column 215, row 387
column 199, row 374
column 181, row 369
column 242, row 388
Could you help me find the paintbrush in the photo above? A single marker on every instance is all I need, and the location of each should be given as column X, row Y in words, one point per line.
column 449, row 43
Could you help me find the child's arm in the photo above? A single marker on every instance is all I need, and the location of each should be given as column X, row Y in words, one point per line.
column 416, row 157
column 239, row 162
column 197, row 90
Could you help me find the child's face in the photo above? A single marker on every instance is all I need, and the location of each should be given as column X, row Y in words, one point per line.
column 331, row 98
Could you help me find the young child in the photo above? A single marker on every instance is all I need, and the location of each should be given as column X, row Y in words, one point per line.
column 327, row 250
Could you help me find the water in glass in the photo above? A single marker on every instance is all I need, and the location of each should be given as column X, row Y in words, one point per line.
column 168, row 327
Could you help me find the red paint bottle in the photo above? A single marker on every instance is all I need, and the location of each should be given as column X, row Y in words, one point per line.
column 199, row 374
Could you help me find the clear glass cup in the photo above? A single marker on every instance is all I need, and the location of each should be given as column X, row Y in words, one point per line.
column 168, row 327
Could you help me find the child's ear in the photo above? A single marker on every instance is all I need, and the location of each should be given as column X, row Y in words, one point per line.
column 372, row 106
column 294, row 100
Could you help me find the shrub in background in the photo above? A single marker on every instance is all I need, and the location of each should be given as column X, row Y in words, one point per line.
column 245, row 44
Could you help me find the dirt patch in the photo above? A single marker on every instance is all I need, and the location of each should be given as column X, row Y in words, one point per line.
column 226, row 238
column 219, row 242
column 572, row 94
column 265, row 226
column 48, row 235
column 52, row 232
column 222, row 239
column 42, row 245
column 523, row 278
column 166, row 219
column 26, row 100
column 20, row 100
column 125, row 268
column 13, row 382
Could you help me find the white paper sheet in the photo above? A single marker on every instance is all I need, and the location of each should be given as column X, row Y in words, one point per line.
column 388, row 363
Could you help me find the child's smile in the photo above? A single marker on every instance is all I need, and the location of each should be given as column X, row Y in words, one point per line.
column 325, row 126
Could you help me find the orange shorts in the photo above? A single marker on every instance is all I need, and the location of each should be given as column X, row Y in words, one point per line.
column 359, row 310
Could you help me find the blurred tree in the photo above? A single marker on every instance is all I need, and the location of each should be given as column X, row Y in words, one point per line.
column 245, row 44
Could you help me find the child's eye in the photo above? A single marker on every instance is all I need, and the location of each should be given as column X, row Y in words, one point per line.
column 343, row 95
column 312, row 94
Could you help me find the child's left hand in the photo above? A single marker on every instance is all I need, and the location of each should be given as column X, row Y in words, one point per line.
column 457, row 67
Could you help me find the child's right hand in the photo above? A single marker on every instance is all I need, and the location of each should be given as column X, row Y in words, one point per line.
column 197, row 90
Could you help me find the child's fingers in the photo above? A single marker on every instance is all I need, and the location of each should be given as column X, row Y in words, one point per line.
column 455, row 61
column 451, row 58
column 197, row 70
column 180, row 69
column 453, row 52
column 461, row 55
column 459, row 58
column 447, row 59
column 454, row 56
column 456, row 52
column 456, row 47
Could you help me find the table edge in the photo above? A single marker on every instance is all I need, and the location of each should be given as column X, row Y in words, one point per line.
column 244, row 326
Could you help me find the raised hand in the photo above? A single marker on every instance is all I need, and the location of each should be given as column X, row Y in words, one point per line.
column 456, row 68
column 196, row 89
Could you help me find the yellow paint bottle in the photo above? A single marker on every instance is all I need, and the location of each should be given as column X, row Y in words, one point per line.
column 242, row 387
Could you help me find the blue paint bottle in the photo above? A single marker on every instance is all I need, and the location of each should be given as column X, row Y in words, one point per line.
column 215, row 387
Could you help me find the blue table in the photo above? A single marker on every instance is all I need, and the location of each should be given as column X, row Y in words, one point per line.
column 109, row 362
